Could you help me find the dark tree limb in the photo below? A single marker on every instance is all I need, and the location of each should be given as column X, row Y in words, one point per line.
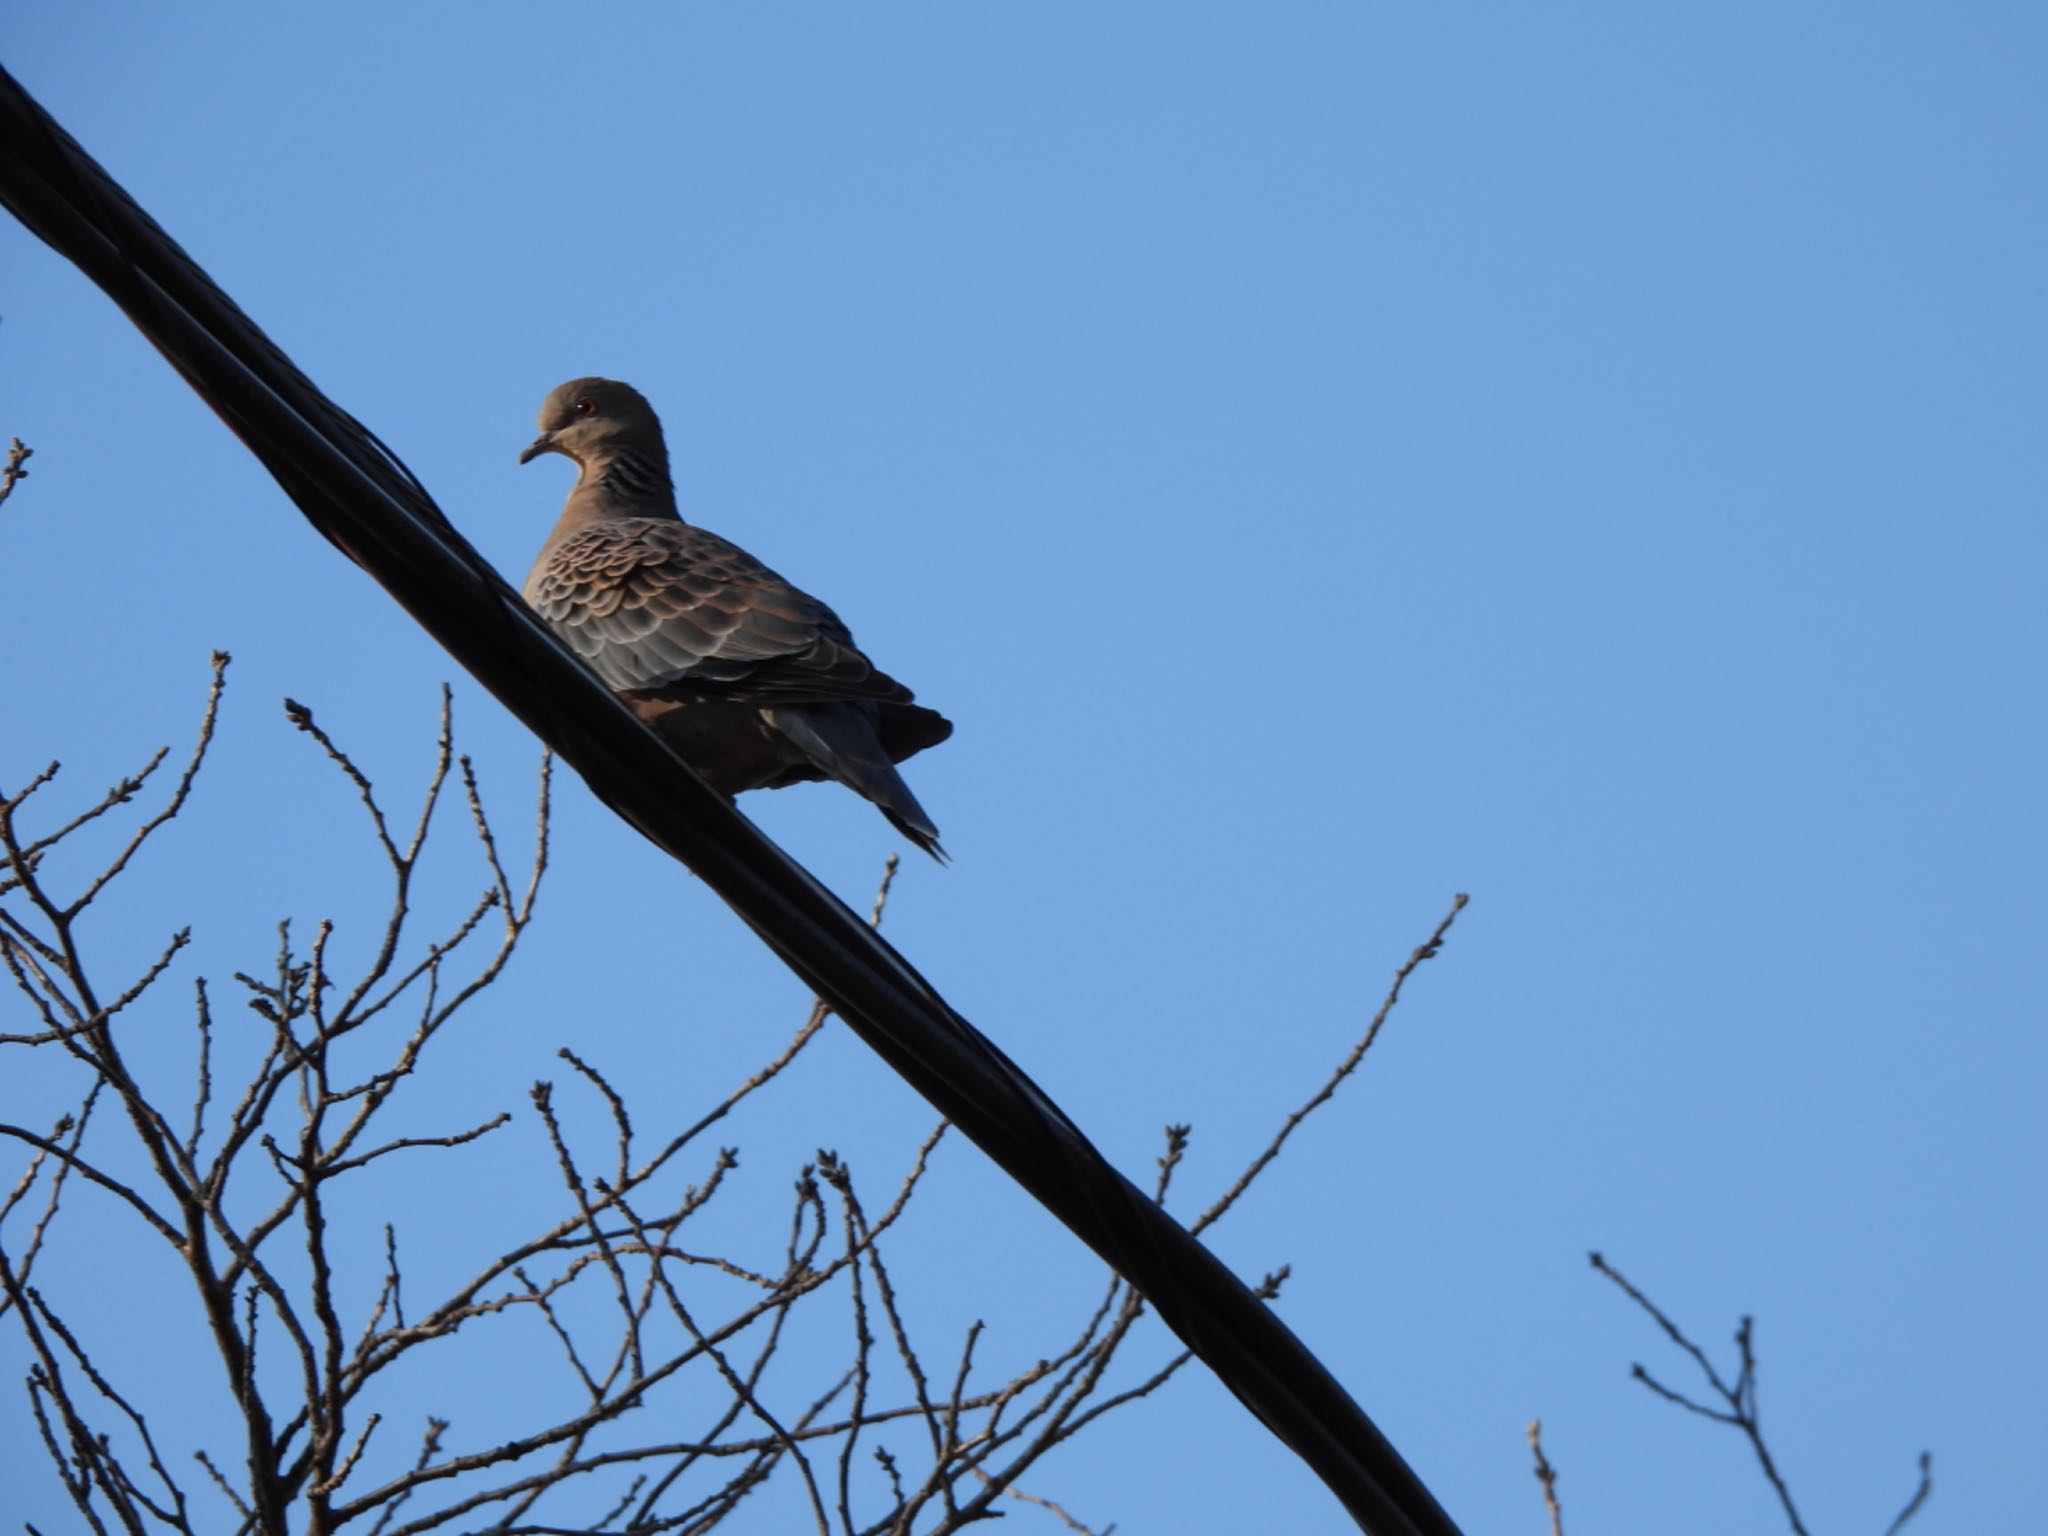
column 1738, row 1398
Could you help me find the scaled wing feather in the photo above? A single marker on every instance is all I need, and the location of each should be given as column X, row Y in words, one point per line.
column 652, row 603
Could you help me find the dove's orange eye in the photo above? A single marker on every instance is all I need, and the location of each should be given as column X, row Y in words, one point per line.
column 586, row 407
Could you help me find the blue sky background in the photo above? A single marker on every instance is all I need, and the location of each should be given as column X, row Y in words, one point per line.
column 1323, row 457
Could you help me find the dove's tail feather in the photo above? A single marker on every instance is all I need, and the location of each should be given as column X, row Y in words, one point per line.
column 841, row 740
column 920, row 832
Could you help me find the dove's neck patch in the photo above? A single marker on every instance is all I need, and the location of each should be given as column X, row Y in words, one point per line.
column 634, row 481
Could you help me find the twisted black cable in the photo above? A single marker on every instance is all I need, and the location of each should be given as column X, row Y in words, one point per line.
column 356, row 493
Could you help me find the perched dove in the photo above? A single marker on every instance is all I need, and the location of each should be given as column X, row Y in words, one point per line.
column 754, row 682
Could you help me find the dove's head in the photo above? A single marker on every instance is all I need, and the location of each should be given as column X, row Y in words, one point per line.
column 592, row 419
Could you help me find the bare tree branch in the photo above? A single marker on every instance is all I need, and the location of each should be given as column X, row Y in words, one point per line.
column 1740, row 1397
column 1546, row 1475
column 1427, row 950
column 18, row 454
column 1919, row 1498
column 282, row 1110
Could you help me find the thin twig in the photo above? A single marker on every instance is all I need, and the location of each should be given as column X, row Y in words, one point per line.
column 208, row 719
column 18, row 455
column 803, row 1037
column 1546, row 1474
column 1740, row 1398
column 1427, row 950
column 1919, row 1495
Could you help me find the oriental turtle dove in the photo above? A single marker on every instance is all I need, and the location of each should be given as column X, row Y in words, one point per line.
column 756, row 683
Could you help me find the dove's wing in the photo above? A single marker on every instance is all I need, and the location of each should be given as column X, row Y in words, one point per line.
column 652, row 603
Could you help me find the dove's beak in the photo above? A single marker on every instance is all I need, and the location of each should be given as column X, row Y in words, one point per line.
column 545, row 443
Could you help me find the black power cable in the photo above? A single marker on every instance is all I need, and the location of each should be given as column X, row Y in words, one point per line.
column 361, row 498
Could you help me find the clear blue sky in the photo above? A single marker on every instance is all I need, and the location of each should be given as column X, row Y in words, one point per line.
column 1323, row 457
